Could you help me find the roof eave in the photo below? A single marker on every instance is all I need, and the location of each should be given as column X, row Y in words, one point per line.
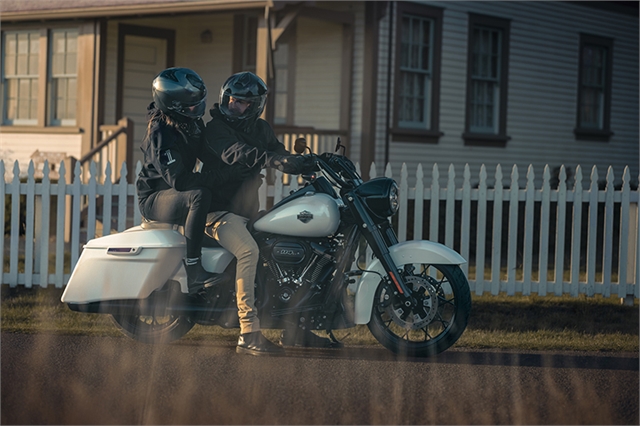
column 132, row 10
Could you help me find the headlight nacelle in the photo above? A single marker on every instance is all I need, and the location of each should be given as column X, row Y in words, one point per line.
column 380, row 195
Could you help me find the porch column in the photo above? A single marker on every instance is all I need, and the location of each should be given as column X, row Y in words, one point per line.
column 263, row 51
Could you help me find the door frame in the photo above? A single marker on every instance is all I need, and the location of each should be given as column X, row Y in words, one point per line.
column 138, row 30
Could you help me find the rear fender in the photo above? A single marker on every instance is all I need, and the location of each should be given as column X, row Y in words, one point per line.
column 421, row 251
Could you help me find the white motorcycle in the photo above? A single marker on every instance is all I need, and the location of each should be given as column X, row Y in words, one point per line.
column 413, row 295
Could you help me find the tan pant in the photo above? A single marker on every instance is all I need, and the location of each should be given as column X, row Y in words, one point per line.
column 246, row 201
column 232, row 234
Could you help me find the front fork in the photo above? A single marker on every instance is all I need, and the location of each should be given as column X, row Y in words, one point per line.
column 380, row 238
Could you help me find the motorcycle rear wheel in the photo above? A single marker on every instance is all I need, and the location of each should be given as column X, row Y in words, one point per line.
column 151, row 322
column 153, row 329
column 442, row 291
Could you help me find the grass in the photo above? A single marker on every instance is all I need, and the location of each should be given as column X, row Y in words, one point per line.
column 496, row 322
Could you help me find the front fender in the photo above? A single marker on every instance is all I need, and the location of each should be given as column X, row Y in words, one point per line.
column 403, row 253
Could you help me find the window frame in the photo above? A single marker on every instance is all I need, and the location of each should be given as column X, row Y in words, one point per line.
column 413, row 134
column 587, row 133
column 4, row 120
column 500, row 138
column 52, row 94
column 43, row 123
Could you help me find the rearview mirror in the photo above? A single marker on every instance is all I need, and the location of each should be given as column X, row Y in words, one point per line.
column 300, row 145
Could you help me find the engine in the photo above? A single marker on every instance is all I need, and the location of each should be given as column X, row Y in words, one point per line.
column 298, row 270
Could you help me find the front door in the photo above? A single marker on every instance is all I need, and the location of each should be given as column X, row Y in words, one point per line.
column 143, row 53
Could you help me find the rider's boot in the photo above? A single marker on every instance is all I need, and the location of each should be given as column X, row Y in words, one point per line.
column 198, row 278
column 256, row 344
column 306, row 339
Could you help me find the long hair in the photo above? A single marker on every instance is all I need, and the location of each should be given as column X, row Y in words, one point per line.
column 158, row 116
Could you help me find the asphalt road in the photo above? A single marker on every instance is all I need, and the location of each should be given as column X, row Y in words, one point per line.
column 49, row 379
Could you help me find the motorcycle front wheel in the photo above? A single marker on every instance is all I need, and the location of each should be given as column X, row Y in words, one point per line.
column 437, row 317
column 151, row 322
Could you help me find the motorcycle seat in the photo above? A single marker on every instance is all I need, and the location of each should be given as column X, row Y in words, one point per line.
column 154, row 224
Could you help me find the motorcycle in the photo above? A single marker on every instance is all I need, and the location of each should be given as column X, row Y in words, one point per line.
column 413, row 295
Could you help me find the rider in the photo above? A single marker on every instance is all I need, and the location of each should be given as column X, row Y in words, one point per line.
column 242, row 139
column 168, row 189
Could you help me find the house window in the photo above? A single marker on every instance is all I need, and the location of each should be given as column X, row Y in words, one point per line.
column 487, row 78
column 26, row 87
column 245, row 39
column 21, row 56
column 416, row 69
column 417, row 73
column 63, row 77
column 594, row 88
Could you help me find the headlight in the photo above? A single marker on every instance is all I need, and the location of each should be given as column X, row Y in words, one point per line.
column 394, row 201
column 380, row 195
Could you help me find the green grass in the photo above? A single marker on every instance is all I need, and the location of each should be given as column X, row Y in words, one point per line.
column 496, row 322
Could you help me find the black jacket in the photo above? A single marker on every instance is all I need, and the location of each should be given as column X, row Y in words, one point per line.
column 170, row 154
column 255, row 147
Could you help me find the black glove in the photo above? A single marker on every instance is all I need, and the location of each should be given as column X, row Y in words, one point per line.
column 292, row 164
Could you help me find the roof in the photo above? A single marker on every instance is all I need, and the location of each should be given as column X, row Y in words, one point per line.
column 28, row 10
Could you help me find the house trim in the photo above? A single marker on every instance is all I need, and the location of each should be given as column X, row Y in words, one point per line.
column 136, row 30
column 88, row 43
column 479, row 139
column 120, row 10
column 432, row 134
column 604, row 134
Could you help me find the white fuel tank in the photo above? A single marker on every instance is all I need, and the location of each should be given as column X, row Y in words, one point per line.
column 312, row 215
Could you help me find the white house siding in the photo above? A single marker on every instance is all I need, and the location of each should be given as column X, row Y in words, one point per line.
column 318, row 73
column 20, row 146
column 543, row 74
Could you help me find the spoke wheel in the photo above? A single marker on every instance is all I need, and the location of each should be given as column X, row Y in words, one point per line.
column 432, row 320
column 151, row 322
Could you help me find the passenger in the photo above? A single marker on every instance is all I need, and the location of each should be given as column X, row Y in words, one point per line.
column 168, row 189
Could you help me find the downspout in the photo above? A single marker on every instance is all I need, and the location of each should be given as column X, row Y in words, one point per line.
column 389, row 102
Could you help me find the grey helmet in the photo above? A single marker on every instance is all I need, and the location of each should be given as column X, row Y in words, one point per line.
column 246, row 86
column 180, row 93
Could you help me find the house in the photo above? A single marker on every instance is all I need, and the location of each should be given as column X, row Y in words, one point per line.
column 401, row 82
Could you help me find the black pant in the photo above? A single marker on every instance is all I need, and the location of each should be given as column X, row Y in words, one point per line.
column 187, row 208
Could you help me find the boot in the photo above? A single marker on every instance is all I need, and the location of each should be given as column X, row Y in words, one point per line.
column 256, row 344
column 198, row 278
column 306, row 339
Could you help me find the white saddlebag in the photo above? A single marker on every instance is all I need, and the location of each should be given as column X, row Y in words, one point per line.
column 128, row 265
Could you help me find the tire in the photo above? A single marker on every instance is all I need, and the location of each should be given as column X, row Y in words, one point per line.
column 150, row 322
column 443, row 290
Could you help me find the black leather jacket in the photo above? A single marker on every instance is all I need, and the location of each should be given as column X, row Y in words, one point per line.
column 256, row 147
column 170, row 154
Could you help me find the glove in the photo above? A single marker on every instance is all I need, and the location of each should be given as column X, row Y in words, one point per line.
column 292, row 164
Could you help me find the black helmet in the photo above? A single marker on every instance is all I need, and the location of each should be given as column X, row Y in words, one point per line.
column 181, row 92
column 246, row 86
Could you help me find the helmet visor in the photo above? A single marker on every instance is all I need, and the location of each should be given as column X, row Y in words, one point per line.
column 196, row 110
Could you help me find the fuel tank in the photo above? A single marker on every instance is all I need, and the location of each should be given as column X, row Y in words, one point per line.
column 312, row 215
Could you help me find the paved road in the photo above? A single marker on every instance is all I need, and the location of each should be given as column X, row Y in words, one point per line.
column 48, row 379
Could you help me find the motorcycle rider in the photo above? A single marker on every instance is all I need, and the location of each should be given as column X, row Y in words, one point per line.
column 238, row 135
column 168, row 189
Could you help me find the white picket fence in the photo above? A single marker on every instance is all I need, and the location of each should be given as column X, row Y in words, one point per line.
column 517, row 240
